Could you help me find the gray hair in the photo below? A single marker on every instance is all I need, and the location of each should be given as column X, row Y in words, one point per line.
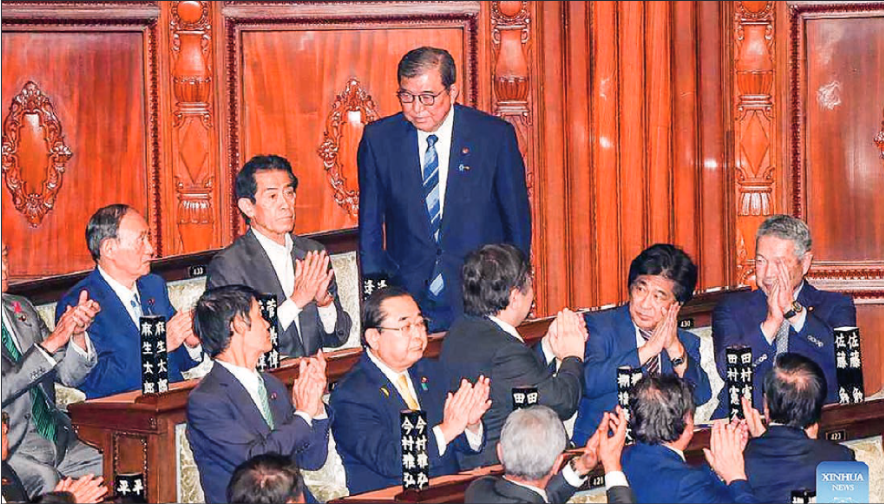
column 104, row 224
column 786, row 227
column 531, row 441
column 423, row 59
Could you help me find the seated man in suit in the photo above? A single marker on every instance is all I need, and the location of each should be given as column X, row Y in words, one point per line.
column 497, row 297
column 531, row 448
column 662, row 420
column 235, row 412
column 785, row 313
column 266, row 478
column 42, row 445
column 437, row 181
column 783, row 456
column 643, row 333
column 271, row 259
column 391, row 376
column 118, row 239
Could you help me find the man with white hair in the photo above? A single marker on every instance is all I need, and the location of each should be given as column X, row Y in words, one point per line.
column 531, row 448
column 785, row 313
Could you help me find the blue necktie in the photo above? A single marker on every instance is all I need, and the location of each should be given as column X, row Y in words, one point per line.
column 434, row 209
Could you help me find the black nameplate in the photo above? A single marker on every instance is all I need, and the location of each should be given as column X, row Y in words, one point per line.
column 836, row 436
column 197, row 270
column 687, row 323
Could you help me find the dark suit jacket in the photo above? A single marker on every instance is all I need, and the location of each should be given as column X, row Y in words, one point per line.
column 737, row 321
column 785, row 459
column 34, row 370
column 611, row 344
column 13, row 490
column 225, row 428
column 496, row 489
column 116, row 337
column 477, row 346
column 366, row 429
column 658, row 474
column 485, row 202
column 246, row 262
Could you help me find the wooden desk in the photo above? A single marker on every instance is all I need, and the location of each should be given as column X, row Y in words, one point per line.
column 845, row 423
column 137, row 433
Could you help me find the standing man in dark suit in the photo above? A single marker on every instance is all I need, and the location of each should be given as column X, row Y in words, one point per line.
column 236, row 413
column 643, row 333
column 785, row 313
column 662, row 420
column 531, row 448
column 392, row 376
column 783, row 456
column 271, row 259
column 122, row 284
column 42, row 446
column 498, row 294
column 437, row 181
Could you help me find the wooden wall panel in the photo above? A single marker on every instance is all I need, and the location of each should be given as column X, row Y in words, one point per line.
column 291, row 79
column 92, row 78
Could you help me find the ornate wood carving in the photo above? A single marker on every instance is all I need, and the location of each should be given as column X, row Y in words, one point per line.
column 755, row 129
column 510, row 38
column 192, row 136
column 32, row 102
column 879, row 140
column 352, row 109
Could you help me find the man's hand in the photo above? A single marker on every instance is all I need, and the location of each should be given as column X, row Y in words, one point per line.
column 479, row 403
column 309, row 386
column 611, row 447
column 323, row 297
column 309, row 275
column 587, row 460
column 752, row 419
column 179, row 330
column 657, row 342
column 73, row 323
column 725, row 452
column 87, row 489
column 457, row 411
column 568, row 336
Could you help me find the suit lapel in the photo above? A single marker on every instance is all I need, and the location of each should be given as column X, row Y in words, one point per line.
column 240, row 397
column 460, row 135
column 10, row 318
column 263, row 276
column 110, row 303
column 808, row 295
column 376, row 377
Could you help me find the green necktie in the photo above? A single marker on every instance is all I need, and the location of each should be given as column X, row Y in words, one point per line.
column 265, row 403
column 44, row 421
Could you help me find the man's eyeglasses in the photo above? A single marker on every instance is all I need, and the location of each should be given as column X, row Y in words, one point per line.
column 425, row 98
column 419, row 326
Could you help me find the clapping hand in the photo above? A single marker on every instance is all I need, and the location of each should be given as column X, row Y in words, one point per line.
column 312, row 280
column 611, row 447
column 73, row 323
column 309, row 386
column 480, row 402
column 725, row 452
column 568, row 335
column 179, row 330
column 86, row 489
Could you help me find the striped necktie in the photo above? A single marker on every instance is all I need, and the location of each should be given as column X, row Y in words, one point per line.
column 653, row 364
column 405, row 392
column 265, row 403
column 434, row 209
column 41, row 412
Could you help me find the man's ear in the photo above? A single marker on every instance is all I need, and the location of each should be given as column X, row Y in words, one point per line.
column 806, row 262
column 108, row 248
column 246, row 206
column 499, row 453
column 454, row 91
column 373, row 338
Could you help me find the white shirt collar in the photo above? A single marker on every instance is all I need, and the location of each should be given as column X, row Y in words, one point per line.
column 798, row 290
column 271, row 247
column 444, row 130
column 533, row 488
column 391, row 375
column 507, row 328
column 677, row 451
column 124, row 293
column 247, row 377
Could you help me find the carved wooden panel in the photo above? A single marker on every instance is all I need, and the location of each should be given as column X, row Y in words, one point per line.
column 101, row 78
column 193, row 151
column 285, row 73
column 351, row 111
column 836, row 170
column 33, row 148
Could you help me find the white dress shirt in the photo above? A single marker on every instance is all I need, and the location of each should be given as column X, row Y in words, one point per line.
column 248, row 378
column 443, row 153
column 474, row 439
column 126, row 295
column 88, row 352
column 281, row 259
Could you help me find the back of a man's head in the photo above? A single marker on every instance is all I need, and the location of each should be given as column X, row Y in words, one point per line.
column 266, row 479
column 795, row 391
column 531, row 441
column 660, row 407
column 489, row 274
